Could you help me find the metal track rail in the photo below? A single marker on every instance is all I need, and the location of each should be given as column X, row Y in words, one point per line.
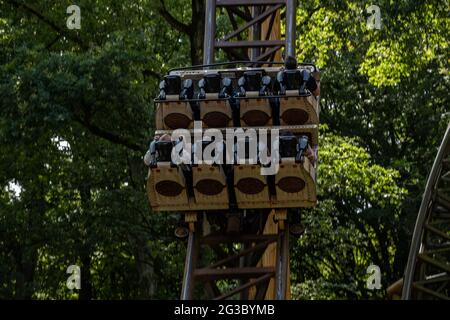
column 427, row 274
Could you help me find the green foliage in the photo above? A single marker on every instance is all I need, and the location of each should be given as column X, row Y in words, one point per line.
column 412, row 35
column 82, row 201
column 353, row 225
column 84, row 204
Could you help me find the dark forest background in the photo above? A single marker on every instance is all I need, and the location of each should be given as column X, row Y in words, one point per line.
column 76, row 117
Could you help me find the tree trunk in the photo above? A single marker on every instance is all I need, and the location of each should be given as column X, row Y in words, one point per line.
column 196, row 35
column 85, row 250
column 143, row 256
column 26, row 252
column 86, row 281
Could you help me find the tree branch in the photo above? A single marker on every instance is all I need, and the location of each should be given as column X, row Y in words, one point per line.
column 112, row 137
column 151, row 73
column 50, row 23
column 58, row 36
column 178, row 25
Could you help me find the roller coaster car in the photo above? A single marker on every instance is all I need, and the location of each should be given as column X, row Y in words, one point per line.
column 206, row 186
column 185, row 187
column 226, row 98
column 209, row 183
column 295, row 184
column 251, row 188
column 214, row 103
column 254, row 106
column 298, row 106
column 166, row 183
column 292, row 186
column 172, row 111
column 238, row 97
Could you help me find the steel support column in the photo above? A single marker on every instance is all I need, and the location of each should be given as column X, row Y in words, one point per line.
column 245, row 265
column 428, row 268
column 282, row 264
column 291, row 6
column 210, row 32
column 189, row 266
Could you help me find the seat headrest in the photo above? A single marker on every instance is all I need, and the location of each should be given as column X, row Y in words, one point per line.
column 253, row 80
column 172, row 85
column 164, row 149
column 288, row 146
column 212, row 82
column 292, row 79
